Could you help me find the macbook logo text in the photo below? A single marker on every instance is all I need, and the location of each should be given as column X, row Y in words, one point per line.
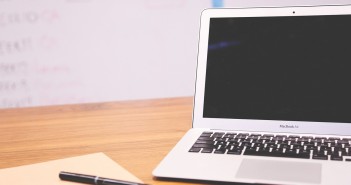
column 288, row 126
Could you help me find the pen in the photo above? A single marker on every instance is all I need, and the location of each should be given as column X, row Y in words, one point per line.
column 90, row 179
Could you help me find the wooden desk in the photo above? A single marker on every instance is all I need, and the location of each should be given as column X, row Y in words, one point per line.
column 136, row 134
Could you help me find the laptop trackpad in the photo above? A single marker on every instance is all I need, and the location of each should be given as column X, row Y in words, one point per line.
column 280, row 171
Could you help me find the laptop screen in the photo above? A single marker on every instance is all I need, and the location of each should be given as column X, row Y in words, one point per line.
column 294, row 68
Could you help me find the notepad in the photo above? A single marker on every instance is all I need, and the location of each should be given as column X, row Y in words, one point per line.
column 48, row 172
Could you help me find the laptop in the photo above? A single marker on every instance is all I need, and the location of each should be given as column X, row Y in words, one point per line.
column 273, row 99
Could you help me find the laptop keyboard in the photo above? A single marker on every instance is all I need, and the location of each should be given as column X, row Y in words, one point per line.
column 292, row 146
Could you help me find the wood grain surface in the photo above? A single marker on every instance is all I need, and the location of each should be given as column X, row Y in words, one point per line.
column 136, row 134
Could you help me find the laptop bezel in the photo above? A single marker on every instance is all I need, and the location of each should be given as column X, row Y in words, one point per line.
column 302, row 127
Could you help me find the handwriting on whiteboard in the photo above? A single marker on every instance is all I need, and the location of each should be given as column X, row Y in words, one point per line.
column 28, row 17
column 25, row 75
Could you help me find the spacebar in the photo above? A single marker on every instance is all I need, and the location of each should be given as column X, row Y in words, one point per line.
column 277, row 154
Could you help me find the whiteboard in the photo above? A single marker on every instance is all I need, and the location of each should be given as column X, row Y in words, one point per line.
column 80, row 51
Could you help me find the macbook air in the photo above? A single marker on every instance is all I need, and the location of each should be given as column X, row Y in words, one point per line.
column 273, row 98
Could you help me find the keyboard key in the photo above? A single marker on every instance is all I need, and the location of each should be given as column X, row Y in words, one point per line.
column 229, row 135
column 234, row 152
column 206, row 138
column 320, row 156
column 268, row 135
column 280, row 136
column 334, row 138
column 305, row 153
column 253, row 137
column 233, row 141
column 320, row 138
column 270, row 142
column 308, row 137
column 218, row 134
column 243, row 134
column 293, row 136
column 220, row 143
column 239, row 136
column 220, row 151
column 343, row 141
column 195, row 150
column 335, row 158
column 206, row 134
column 303, row 139
column 205, row 142
column 221, row 139
column 207, row 150
column 202, row 146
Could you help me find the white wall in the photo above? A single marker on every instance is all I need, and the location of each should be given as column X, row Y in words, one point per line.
column 77, row 51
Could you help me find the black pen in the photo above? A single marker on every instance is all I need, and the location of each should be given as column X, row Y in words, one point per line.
column 90, row 179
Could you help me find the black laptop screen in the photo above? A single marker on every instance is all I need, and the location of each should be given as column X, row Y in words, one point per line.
column 279, row 68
